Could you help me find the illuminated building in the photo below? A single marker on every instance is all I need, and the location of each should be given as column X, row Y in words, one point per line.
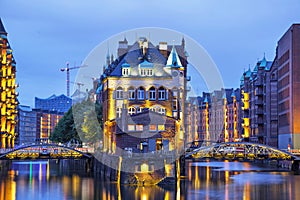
column 259, row 95
column 219, row 117
column 45, row 123
column 143, row 94
column 8, row 87
column 288, row 63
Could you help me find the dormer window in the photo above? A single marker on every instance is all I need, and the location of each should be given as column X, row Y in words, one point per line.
column 125, row 69
column 146, row 68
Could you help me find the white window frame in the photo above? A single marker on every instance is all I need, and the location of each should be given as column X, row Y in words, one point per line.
column 119, row 112
column 152, row 94
column 141, row 94
column 161, row 94
column 119, row 93
column 131, row 94
column 125, row 71
column 131, row 110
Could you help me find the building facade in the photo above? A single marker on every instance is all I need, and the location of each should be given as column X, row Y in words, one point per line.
column 45, row 123
column 143, row 94
column 219, row 116
column 288, row 63
column 8, row 92
column 60, row 103
column 259, row 97
column 26, row 126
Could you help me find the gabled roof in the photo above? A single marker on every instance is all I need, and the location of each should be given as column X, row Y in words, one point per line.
column 2, row 29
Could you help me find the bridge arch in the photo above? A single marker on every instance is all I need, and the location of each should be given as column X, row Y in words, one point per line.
column 44, row 151
column 240, row 150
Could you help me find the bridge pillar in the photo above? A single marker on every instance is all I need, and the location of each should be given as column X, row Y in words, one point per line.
column 295, row 166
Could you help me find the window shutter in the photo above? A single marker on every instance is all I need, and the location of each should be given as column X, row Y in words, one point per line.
column 114, row 94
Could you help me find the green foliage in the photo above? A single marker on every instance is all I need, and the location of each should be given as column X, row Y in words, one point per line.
column 83, row 122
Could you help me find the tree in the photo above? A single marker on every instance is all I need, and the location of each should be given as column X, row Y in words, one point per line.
column 83, row 122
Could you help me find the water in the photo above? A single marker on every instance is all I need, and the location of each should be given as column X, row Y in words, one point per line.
column 204, row 180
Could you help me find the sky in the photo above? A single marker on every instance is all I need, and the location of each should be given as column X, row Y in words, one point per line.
column 45, row 35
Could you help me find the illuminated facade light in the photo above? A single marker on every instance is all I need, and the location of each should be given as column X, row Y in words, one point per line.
column 8, row 92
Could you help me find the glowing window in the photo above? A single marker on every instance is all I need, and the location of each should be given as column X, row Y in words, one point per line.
column 131, row 127
column 161, row 127
column 139, row 127
column 152, row 127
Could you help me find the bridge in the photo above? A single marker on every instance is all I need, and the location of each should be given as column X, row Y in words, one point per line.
column 239, row 151
column 45, row 151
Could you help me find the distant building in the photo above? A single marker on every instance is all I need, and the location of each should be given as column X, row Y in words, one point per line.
column 36, row 125
column 258, row 96
column 45, row 123
column 8, row 92
column 26, row 126
column 60, row 103
column 219, row 116
column 288, row 64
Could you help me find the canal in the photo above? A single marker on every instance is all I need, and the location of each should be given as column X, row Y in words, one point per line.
column 204, row 180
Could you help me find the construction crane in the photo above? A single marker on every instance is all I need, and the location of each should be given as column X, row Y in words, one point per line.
column 67, row 69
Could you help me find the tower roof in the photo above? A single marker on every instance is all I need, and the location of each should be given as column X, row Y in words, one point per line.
column 173, row 59
column 2, row 29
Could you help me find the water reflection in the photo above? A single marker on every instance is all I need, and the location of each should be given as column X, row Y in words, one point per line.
column 205, row 180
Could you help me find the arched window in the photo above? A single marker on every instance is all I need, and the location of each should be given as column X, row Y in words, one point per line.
column 152, row 109
column 162, row 93
column 152, row 93
column 139, row 109
column 119, row 93
column 161, row 111
column 141, row 93
column 131, row 93
column 131, row 110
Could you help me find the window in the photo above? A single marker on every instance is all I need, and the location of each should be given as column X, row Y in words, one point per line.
column 161, row 127
column 152, row 127
column 174, row 104
column 131, row 93
column 131, row 110
column 152, row 109
column 139, row 109
column 146, row 72
column 141, row 93
column 139, row 127
column 119, row 112
column 131, row 127
column 125, row 71
column 161, row 93
column 119, row 93
column 152, row 93
column 161, row 111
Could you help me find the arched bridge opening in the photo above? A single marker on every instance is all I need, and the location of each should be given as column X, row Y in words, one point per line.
column 240, row 151
column 44, row 151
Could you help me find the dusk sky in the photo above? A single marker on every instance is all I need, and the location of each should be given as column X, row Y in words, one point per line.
column 44, row 35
